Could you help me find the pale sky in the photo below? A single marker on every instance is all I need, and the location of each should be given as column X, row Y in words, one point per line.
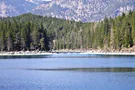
column 46, row 0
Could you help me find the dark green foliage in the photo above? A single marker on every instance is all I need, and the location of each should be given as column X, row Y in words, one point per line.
column 24, row 32
column 33, row 32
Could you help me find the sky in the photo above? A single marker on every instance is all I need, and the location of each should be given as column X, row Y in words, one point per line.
column 46, row 0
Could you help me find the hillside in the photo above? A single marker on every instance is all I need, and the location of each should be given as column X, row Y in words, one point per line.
column 15, row 7
column 33, row 32
column 78, row 10
column 84, row 10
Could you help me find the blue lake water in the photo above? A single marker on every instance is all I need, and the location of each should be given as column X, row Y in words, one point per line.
column 67, row 72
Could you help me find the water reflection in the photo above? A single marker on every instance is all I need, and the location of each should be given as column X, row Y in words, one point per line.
column 84, row 69
column 22, row 56
column 65, row 55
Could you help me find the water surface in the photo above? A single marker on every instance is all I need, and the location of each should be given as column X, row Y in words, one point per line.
column 67, row 72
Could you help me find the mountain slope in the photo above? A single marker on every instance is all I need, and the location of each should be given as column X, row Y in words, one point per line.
column 78, row 10
column 84, row 10
column 15, row 7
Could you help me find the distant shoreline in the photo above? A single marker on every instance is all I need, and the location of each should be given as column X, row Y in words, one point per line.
column 129, row 51
column 24, row 53
column 91, row 52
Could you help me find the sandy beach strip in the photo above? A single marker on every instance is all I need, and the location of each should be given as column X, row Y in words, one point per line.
column 89, row 52
column 24, row 53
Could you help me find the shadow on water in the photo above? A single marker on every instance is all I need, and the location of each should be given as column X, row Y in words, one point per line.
column 26, row 56
column 83, row 69
column 65, row 56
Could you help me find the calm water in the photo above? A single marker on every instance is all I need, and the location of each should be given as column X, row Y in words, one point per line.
column 68, row 72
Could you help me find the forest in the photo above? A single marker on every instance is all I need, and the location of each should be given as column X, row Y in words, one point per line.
column 34, row 32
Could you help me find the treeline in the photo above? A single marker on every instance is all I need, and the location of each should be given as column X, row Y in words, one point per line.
column 29, row 32
column 111, row 33
column 20, row 33
column 34, row 32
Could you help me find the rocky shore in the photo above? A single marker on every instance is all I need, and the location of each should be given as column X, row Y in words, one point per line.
column 123, row 51
column 24, row 53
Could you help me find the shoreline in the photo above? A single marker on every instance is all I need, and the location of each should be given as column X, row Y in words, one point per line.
column 90, row 52
column 123, row 51
column 24, row 53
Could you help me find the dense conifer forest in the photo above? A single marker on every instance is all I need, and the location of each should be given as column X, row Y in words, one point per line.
column 34, row 32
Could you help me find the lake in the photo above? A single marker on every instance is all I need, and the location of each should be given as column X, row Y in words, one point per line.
column 67, row 72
